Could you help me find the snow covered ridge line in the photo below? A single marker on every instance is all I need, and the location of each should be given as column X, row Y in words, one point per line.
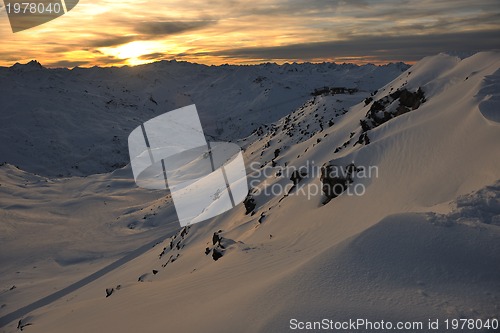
column 334, row 180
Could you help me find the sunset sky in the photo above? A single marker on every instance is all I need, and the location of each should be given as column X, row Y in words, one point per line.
column 132, row 32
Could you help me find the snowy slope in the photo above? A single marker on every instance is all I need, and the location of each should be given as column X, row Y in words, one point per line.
column 421, row 242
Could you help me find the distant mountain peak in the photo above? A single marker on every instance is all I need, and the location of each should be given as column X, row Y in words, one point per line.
column 32, row 65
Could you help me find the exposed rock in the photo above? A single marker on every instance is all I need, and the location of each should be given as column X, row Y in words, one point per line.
column 142, row 277
column 109, row 291
column 162, row 252
column 216, row 238
column 379, row 114
column 333, row 91
column 184, row 231
column 152, row 99
column 335, row 179
column 363, row 139
column 334, row 186
column 297, row 176
column 411, row 100
column 364, row 125
column 249, row 203
column 216, row 254
column 22, row 323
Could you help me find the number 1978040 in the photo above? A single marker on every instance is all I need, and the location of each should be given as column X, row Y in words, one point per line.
column 33, row 8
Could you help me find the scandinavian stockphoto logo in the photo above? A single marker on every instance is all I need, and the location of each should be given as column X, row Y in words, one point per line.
column 26, row 14
column 204, row 178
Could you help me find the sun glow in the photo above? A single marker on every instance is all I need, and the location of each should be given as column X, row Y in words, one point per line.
column 134, row 32
column 137, row 52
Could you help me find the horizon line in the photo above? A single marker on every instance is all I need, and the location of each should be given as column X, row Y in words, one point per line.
column 249, row 64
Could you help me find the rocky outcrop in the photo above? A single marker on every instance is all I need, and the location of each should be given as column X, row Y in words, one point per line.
column 335, row 179
column 382, row 110
column 297, row 176
column 216, row 254
column 219, row 245
column 109, row 291
column 249, row 204
column 385, row 109
column 333, row 91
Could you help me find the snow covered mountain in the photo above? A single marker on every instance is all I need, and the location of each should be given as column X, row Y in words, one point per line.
column 86, row 115
column 414, row 234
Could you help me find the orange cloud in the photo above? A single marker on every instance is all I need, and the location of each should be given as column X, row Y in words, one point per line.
column 131, row 32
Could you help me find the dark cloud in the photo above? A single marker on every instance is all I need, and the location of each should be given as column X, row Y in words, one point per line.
column 106, row 60
column 440, row 25
column 160, row 28
column 110, row 60
column 9, row 57
column 402, row 9
column 294, row 8
column 61, row 49
column 66, row 64
column 404, row 48
column 152, row 56
column 146, row 30
column 111, row 40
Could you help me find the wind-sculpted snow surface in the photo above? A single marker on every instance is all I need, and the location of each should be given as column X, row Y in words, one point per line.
column 490, row 95
column 407, row 267
column 420, row 242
